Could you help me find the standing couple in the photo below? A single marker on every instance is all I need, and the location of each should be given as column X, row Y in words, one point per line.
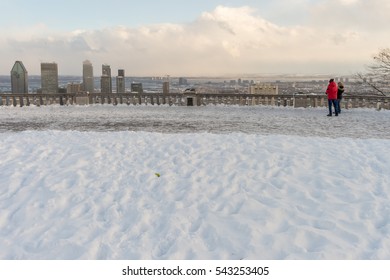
column 335, row 93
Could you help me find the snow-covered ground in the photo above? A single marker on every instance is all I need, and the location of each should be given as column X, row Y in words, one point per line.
column 357, row 123
column 149, row 182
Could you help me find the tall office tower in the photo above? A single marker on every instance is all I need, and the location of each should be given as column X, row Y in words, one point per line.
column 120, row 81
column 105, row 80
column 88, row 84
column 49, row 78
column 106, row 70
column 19, row 78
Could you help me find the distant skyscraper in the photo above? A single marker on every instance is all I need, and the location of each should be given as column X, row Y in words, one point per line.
column 106, row 70
column 120, row 81
column 49, row 78
column 105, row 80
column 88, row 84
column 19, row 78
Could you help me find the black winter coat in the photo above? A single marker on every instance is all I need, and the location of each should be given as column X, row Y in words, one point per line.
column 340, row 92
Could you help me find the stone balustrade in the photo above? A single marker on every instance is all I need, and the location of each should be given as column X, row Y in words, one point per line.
column 193, row 99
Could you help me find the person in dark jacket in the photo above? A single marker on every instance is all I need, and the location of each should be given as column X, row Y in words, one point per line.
column 331, row 91
column 340, row 92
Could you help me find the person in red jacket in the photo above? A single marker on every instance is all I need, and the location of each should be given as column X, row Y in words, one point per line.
column 331, row 91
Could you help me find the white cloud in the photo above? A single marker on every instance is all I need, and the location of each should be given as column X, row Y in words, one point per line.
column 348, row 2
column 225, row 40
column 368, row 16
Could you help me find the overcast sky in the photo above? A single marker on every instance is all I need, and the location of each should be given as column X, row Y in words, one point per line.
column 194, row 38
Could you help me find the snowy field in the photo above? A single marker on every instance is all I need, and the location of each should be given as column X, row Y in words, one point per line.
column 149, row 182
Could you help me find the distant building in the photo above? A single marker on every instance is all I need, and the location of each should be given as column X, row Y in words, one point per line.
column 265, row 89
column 74, row 88
column 120, row 81
column 137, row 87
column 166, row 87
column 49, row 78
column 19, row 78
column 105, row 84
column 106, row 70
column 183, row 81
column 88, row 82
column 105, row 80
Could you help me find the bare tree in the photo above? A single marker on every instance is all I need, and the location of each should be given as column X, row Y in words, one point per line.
column 378, row 73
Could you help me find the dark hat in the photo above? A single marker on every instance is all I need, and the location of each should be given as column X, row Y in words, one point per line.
column 331, row 80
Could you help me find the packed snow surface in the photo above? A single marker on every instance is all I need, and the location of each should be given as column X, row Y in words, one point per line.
column 215, row 182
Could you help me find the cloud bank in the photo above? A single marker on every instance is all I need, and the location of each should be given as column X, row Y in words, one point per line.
column 338, row 36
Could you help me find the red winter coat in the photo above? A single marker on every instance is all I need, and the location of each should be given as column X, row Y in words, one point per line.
column 331, row 91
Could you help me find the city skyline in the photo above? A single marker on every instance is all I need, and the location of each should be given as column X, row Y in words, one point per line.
column 211, row 38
